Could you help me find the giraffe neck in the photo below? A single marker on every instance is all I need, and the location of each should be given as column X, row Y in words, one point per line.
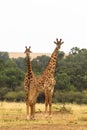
column 50, row 69
column 29, row 68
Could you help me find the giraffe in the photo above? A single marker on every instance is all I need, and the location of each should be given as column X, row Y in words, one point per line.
column 45, row 82
column 48, row 76
column 28, row 78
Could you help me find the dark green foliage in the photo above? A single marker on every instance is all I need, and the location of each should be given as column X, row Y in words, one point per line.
column 15, row 96
column 70, row 96
column 11, row 77
column 63, row 84
column 4, row 56
column 70, row 75
column 21, row 63
column 41, row 98
column 39, row 63
column 75, row 67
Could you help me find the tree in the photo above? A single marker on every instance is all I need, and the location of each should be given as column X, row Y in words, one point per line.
column 39, row 63
column 15, row 77
column 1, row 65
column 74, row 50
column 4, row 56
column 21, row 63
column 70, row 75
column 63, row 82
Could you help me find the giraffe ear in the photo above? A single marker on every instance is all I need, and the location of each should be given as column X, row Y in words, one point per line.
column 57, row 40
column 26, row 48
column 29, row 49
column 62, row 43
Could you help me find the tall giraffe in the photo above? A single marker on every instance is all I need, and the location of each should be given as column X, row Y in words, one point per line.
column 48, row 76
column 28, row 78
column 46, row 82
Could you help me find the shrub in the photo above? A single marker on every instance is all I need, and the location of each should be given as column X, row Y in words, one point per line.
column 70, row 96
column 15, row 96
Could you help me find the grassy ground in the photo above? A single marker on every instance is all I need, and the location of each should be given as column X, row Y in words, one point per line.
column 68, row 117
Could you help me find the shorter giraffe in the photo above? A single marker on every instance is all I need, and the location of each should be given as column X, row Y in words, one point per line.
column 28, row 78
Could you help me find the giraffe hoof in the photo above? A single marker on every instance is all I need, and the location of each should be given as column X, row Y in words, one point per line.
column 50, row 116
column 32, row 118
column 27, row 118
column 46, row 116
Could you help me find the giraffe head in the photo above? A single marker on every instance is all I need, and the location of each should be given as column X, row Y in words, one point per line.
column 58, row 43
column 27, row 51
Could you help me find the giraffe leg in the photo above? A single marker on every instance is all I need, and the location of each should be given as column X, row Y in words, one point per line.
column 33, row 112
column 46, row 104
column 27, row 105
column 50, row 103
column 27, row 110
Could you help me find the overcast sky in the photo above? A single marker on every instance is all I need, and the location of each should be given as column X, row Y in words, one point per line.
column 37, row 23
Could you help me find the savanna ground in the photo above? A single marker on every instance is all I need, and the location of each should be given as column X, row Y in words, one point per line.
column 67, row 117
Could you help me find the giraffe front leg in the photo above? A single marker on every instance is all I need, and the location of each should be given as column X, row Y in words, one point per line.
column 27, row 106
column 50, row 104
column 32, row 114
column 50, row 107
column 34, row 111
column 46, row 105
column 31, row 111
column 27, row 110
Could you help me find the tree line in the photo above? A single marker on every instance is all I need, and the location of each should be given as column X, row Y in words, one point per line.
column 70, row 75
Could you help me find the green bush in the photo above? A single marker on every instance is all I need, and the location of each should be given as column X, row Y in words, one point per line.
column 11, row 96
column 70, row 96
column 15, row 96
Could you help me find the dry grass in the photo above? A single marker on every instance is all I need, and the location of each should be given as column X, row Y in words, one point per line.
column 68, row 117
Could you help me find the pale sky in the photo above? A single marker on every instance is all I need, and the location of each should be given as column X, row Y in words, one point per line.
column 37, row 23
